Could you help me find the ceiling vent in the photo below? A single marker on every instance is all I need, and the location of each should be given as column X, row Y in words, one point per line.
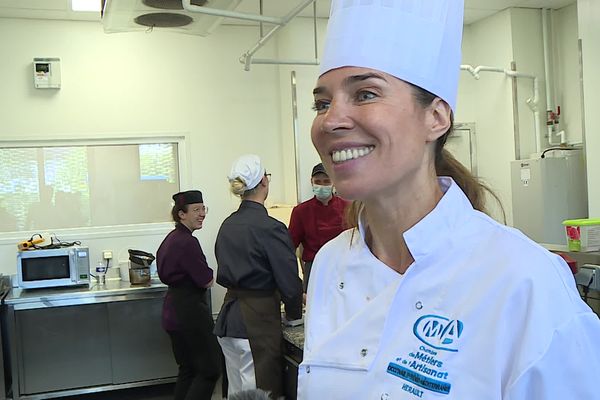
column 142, row 15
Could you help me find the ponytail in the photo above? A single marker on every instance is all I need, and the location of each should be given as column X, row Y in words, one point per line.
column 475, row 190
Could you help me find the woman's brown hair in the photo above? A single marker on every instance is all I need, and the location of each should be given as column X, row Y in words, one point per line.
column 445, row 165
column 175, row 211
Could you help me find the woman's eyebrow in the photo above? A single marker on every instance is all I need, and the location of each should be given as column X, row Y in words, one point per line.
column 350, row 80
column 362, row 77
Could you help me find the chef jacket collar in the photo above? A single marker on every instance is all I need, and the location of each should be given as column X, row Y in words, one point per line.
column 182, row 227
column 436, row 228
column 252, row 204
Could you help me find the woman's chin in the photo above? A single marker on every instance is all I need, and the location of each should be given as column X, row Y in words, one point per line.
column 350, row 192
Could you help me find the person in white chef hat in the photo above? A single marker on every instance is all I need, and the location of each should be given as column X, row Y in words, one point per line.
column 257, row 265
column 426, row 297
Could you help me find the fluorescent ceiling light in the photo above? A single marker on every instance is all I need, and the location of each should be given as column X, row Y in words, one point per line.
column 85, row 5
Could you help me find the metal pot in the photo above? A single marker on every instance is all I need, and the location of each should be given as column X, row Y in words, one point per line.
column 139, row 276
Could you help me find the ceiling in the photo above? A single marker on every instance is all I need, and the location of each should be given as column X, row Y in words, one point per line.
column 61, row 9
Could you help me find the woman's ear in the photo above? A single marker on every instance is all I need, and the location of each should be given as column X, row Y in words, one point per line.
column 438, row 119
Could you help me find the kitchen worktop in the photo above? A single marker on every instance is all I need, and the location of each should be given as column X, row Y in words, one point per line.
column 294, row 335
column 113, row 289
column 89, row 294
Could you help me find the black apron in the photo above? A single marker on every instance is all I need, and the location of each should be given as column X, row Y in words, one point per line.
column 261, row 311
column 195, row 318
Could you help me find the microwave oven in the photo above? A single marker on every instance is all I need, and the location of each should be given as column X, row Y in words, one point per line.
column 65, row 266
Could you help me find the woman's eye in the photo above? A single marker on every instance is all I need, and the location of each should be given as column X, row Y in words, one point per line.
column 365, row 95
column 320, row 105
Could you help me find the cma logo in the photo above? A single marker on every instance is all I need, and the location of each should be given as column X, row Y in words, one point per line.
column 438, row 332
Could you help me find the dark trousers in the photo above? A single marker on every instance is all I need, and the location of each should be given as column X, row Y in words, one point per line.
column 306, row 274
column 199, row 361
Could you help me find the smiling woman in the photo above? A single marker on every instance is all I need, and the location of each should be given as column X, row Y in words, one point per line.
column 425, row 283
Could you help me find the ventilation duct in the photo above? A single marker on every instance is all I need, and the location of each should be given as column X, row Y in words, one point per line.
column 141, row 15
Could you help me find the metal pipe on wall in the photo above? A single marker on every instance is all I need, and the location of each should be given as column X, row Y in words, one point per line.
column 532, row 102
column 516, row 133
column 295, row 130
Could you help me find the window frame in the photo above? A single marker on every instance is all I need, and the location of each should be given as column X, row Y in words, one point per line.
column 95, row 232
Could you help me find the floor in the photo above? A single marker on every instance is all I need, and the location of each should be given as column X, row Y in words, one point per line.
column 158, row 392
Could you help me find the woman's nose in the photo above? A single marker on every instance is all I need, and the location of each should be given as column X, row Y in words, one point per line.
column 337, row 118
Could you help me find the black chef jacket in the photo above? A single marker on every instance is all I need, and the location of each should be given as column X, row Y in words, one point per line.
column 255, row 252
column 180, row 263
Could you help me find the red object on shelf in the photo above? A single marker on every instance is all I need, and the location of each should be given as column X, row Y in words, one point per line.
column 570, row 262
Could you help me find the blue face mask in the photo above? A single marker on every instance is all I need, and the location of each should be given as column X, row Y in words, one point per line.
column 322, row 192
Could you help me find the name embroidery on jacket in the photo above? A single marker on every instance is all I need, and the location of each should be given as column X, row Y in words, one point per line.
column 422, row 369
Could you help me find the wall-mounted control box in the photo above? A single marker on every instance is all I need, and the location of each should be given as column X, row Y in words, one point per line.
column 589, row 276
column 46, row 73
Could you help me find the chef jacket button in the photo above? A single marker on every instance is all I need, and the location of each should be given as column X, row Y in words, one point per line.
column 385, row 396
column 364, row 352
column 308, row 369
column 418, row 305
column 341, row 285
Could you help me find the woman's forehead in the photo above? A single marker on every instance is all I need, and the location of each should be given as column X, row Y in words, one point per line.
column 349, row 75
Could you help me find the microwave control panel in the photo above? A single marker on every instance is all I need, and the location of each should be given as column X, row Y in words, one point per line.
column 83, row 263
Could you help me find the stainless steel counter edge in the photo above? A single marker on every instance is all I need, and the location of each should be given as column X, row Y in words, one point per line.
column 114, row 290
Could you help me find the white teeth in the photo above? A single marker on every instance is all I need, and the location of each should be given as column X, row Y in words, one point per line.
column 350, row 154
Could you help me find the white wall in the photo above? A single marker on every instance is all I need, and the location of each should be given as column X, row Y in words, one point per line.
column 296, row 41
column 488, row 101
column 528, row 53
column 588, row 12
column 568, row 89
column 136, row 83
column 515, row 35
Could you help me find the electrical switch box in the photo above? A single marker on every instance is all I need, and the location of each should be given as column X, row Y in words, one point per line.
column 46, row 73
column 589, row 276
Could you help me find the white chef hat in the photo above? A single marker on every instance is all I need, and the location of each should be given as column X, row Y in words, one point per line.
column 418, row 41
column 248, row 169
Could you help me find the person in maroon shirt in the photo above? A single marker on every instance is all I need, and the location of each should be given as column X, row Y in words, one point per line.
column 187, row 316
column 318, row 220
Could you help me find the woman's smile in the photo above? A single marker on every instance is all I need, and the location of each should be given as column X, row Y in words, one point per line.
column 351, row 153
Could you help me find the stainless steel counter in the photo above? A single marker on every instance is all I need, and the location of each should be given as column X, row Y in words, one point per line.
column 113, row 290
column 94, row 338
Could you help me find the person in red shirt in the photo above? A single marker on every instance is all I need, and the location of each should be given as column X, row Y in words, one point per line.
column 318, row 220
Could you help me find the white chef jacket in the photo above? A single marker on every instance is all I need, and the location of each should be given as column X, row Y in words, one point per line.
column 482, row 313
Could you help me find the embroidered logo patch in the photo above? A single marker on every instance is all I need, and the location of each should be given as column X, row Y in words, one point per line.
column 438, row 332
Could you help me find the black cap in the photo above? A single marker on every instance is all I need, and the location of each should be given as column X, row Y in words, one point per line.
column 318, row 169
column 188, row 197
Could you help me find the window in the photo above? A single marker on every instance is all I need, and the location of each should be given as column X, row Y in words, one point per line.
column 157, row 162
column 87, row 185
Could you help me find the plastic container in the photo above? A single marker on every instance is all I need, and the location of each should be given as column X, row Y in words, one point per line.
column 124, row 270
column 583, row 234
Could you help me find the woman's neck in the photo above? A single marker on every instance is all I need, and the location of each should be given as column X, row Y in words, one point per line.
column 186, row 225
column 387, row 217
